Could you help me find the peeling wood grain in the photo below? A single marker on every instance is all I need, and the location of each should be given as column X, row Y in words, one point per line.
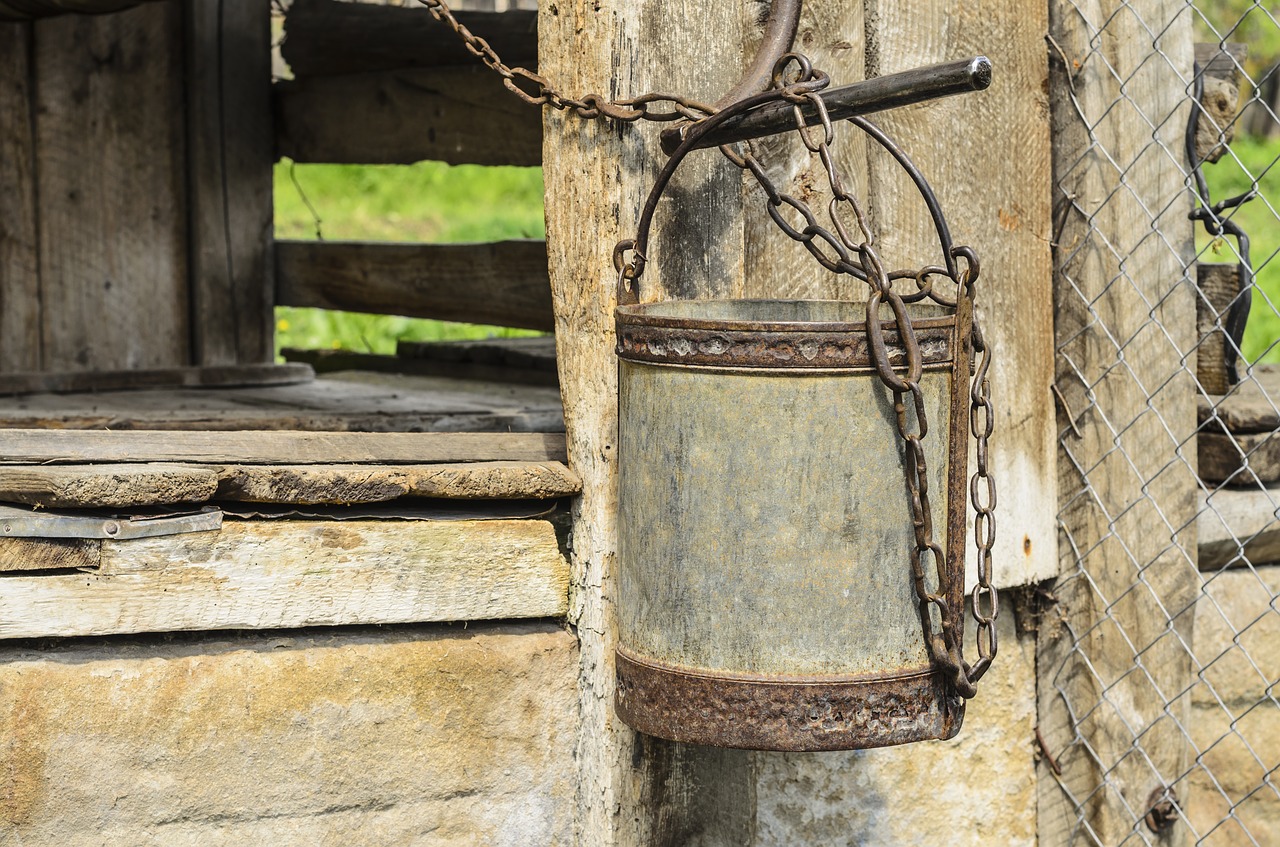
column 277, row 575
column 116, row 485
column 46, row 554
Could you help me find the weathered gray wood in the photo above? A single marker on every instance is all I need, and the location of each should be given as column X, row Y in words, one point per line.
column 115, row 485
column 152, row 378
column 1251, row 405
column 275, row 575
column 459, row 115
column 330, row 38
column 503, row 283
column 999, row 205
column 329, row 361
column 1113, row 657
column 19, row 256
column 1238, row 458
column 112, row 198
column 632, row 790
column 1239, row 528
column 309, row 484
column 19, row 446
column 1223, row 78
column 347, row 402
column 1219, row 287
column 48, row 554
column 231, row 148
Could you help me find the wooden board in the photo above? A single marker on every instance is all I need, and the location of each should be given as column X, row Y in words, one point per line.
column 114, row 485
column 28, row 446
column 1242, row 459
column 19, row 255
column 112, row 190
column 285, row 574
column 330, row 38
column 459, row 115
column 231, row 147
column 1112, row 656
column 1251, row 406
column 1219, row 287
column 503, row 283
column 343, row 403
column 48, row 554
column 329, row 361
column 1239, row 528
column 633, row 790
column 136, row 380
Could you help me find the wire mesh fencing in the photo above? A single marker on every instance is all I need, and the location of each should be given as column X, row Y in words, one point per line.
column 1160, row 646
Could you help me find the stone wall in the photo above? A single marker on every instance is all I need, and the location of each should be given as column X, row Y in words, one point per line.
column 437, row 735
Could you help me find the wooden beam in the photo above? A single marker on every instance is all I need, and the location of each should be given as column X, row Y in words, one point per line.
column 115, row 485
column 230, row 153
column 633, row 790
column 48, row 554
column 19, row 249
column 24, row 10
column 110, row 148
column 459, row 115
column 331, row 38
column 1114, row 666
column 36, row 446
column 503, row 283
column 285, row 574
column 152, row 378
column 1239, row 528
column 1239, row 458
column 331, row 361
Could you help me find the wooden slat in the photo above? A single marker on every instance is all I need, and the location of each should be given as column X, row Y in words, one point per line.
column 330, row 38
column 19, row 255
column 28, row 446
column 1223, row 458
column 47, row 554
column 330, row 361
column 112, row 198
column 114, row 485
column 1239, row 528
column 231, row 147
column 152, row 378
column 272, row 575
column 503, row 283
column 459, row 115
column 1251, row 405
column 1112, row 656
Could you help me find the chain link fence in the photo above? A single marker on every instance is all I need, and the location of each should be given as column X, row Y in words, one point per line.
column 1160, row 642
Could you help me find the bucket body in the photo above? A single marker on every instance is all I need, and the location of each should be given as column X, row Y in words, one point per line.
column 765, row 591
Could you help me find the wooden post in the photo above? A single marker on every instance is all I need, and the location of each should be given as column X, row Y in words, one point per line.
column 1114, row 662
column 229, row 157
column 632, row 790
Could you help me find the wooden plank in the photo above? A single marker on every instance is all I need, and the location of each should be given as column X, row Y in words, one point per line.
column 314, row 484
column 533, row 354
column 114, row 485
column 112, row 199
column 1219, row 286
column 24, row 10
column 231, row 149
column 19, row 255
column 1002, row 210
column 1112, row 657
column 19, row 446
column 329, row 361
column 503, row 283
column 1239, row 528
column 459, row 115
column 633, row 790
column 1222, row 68
column 48, row 554
column 151, row 378
column 285, row 574
column 1251, row 405
column 1239, row 458
column 331, row 38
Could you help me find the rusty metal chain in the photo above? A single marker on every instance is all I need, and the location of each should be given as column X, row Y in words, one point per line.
column 537, row 90
column 835, row 249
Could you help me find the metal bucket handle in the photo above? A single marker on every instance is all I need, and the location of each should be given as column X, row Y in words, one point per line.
column 629, row 273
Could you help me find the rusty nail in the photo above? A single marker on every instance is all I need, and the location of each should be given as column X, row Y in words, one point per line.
column 1162, row 809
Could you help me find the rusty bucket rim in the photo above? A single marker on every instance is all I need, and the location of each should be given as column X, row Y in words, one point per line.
column 651, row 314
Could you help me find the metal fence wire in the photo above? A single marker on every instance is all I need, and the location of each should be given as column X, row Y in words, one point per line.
column 1160, row 642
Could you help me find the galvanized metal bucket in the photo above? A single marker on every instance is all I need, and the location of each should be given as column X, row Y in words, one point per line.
column 766, row 595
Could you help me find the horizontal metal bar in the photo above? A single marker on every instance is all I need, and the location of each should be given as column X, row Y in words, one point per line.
column 28, row 523
column 861, row 98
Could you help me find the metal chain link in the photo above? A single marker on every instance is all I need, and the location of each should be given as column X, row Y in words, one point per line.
column 537, row 90
column 835, row 249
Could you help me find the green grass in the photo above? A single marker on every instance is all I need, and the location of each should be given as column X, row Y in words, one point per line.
column 1254, row 160
column 429, row 202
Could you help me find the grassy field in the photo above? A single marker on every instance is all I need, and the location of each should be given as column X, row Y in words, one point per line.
column 1254, row 160
column 428, row 201
column 434, row 202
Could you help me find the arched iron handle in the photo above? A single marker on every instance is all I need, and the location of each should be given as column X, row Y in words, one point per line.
column 779, row 35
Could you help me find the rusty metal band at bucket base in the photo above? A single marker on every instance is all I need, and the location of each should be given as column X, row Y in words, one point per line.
column 795, row 715
column 763, row 597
